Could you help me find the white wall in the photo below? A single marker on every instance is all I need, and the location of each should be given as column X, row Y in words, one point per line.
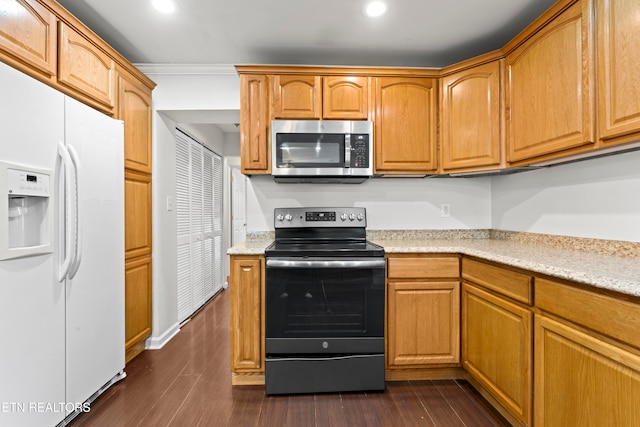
column 392, row 203
column 597, row 198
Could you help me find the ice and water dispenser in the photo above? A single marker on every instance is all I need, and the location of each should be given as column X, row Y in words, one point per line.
column 26, row 214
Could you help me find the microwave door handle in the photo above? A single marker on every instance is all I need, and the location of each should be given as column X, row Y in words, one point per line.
column 347, row 150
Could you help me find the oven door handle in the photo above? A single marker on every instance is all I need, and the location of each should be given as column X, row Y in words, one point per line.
column 350, row 263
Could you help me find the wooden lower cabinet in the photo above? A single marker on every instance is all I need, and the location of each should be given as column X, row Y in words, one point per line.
column 246, row 287
column 423, row 315
column 583, row 380
column 138, row 275
column 423, row 323
column 497, row 348
column 138, row 283
column 497, row 335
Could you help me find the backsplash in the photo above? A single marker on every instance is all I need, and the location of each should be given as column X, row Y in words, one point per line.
column 583, row 244
column 426, row 234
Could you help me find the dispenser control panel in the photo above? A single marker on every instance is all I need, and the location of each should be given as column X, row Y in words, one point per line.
column 27, row 183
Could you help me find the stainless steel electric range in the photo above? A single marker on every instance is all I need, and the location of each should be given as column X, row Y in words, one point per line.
column 324, row 293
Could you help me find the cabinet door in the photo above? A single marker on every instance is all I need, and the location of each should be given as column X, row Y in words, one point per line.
column 254, row 124
column 345, row 97
column 137, row 221
column 137, row 311
column 497, row 348
column 582, row 380
column 297, row 97
column 28, row 35
column 134, row 108
column 86, row 69
column 405, row 125
column 423, row 323
column 247, row 313
column 550, row 89
column 471, row 118
column 618, row 81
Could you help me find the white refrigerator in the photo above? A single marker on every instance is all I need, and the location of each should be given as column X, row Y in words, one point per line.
column 61, row 308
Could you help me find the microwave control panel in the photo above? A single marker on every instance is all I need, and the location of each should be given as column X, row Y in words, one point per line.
column 359, row 150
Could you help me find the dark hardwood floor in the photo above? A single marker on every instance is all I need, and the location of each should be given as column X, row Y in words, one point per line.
column 188, row 383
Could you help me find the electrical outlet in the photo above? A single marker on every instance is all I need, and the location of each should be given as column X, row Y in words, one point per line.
column 445, row 210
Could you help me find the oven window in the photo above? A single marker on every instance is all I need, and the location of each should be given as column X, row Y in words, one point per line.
column 309, row 150
column 322, row 302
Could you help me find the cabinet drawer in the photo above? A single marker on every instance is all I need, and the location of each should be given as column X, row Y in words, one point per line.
column 507, row 282
column 617, row 318
column 423, row 267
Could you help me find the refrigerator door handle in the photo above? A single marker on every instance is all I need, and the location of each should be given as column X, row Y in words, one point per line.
column 65, row 219
column 77, row 241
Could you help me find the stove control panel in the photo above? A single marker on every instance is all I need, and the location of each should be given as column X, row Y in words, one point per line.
column 319, row 217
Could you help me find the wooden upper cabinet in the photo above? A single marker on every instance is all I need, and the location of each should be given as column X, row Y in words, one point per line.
column 550, row 89
column 618, row 79
column 28, row 36
column 345, row 97
column 471, row 118
column 405, row 125
column 134, row 108
column 297, row 97
column 86, row 69
column 254, row 124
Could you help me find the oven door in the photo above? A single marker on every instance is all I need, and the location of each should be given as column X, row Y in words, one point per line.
column 324, row 305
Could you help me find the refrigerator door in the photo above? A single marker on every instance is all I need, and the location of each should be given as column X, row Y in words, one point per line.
column 95, row 295
column 32, row 301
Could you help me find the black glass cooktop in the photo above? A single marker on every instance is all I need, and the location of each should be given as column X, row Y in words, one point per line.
column 324, row 248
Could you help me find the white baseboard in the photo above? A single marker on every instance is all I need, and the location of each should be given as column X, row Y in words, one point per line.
column 156, row 343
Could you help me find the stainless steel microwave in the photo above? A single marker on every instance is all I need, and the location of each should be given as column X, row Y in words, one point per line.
column 321, row 150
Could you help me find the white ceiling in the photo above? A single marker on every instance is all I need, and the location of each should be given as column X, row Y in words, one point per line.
column 413, row 33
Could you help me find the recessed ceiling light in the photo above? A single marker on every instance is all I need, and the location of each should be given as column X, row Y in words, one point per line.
column 164, row 6
column 375, row 8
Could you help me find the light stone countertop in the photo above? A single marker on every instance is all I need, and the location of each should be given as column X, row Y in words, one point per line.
column 249, row 247
column 615, row 273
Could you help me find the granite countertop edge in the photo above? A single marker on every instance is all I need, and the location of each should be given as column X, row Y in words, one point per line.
column 613, row 273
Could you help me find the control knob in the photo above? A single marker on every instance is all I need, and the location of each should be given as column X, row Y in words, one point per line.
column 360, row 217
column 288, row 217
column 280, row 217
column 343, row 217
column 352, row 217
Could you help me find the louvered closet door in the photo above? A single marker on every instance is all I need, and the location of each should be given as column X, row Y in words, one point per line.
column 199, row 211
column 183, row 195
column 218, row 256
column 197, row 227
column 207, row 181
